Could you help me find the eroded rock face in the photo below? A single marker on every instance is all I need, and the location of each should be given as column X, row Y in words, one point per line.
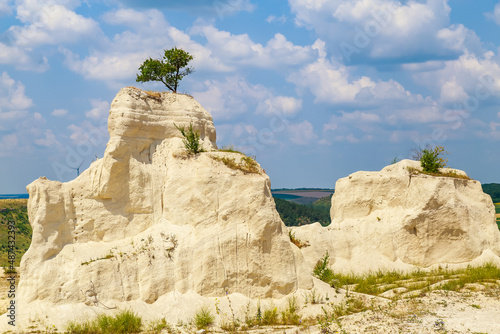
column 147, row 220
column 397, row 219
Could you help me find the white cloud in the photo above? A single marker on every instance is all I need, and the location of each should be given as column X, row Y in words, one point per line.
column 468, row 76
column 59, row 112
column 227, row 99
column 48, row 139
column 302, row 133
column 332, row 83
column 377, row 30
column 99, row 109
column 271, row 19
column 5, row 8
column 88, row 134
column 280, row 105
column 51, row 24
column 241, row 50
column 13, row 101
column 234, row 96
column 495, row 15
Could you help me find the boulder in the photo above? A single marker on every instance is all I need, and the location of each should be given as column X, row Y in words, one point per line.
column 401, row 218
column 148, row 222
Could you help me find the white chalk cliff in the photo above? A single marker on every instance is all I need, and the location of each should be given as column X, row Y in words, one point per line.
column 150, row 228
column 147, row 221
column 398, row 218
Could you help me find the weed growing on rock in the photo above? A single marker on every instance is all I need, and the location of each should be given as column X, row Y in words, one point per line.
column 297, row 242
column 289, row 315
column 191, row 139
column 322, row 271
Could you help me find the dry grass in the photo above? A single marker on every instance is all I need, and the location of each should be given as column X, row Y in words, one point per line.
column 297, row 242
column 153, row 95
column 452, row 173
column 246, row 164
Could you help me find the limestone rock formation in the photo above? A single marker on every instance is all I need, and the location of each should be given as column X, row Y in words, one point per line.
column 399, row 218
column 147, row 221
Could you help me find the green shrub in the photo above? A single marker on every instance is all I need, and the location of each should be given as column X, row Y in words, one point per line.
column 191, row 139
column 321, row 269
column 203, row 318
column 431, row 158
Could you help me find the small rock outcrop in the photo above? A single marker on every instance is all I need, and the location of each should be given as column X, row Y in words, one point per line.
column 400, row 218
column 148, row 221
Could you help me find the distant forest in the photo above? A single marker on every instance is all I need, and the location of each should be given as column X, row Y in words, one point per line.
column 492, row 189
column 294, row 214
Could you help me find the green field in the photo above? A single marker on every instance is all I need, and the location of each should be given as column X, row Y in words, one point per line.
column 14, row 210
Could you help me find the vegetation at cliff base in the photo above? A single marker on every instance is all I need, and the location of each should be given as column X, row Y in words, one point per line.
column 377, row 282
column 123, row 322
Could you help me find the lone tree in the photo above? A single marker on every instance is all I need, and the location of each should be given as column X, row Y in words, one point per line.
column 169, row 70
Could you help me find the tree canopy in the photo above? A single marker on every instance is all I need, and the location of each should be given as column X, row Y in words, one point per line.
column 169, row 70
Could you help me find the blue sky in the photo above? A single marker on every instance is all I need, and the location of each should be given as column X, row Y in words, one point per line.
column 315, row 89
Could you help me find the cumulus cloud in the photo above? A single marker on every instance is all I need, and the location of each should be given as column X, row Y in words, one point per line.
column 467, row 76
column 44, row 22
column 99, row 109
column 302, row 133
column 495, row 15
column 379, row 30
column 13, row 100
column 51, row 24
column 235, row 96
column 48, row 139
column 230, row 98
column 333, row 83
column 5, row 8
column 241, row 50
column 280, row 105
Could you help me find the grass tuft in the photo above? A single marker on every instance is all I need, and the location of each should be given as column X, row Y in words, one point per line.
column 230, row 149
column 122, row 323
column 203, row 318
